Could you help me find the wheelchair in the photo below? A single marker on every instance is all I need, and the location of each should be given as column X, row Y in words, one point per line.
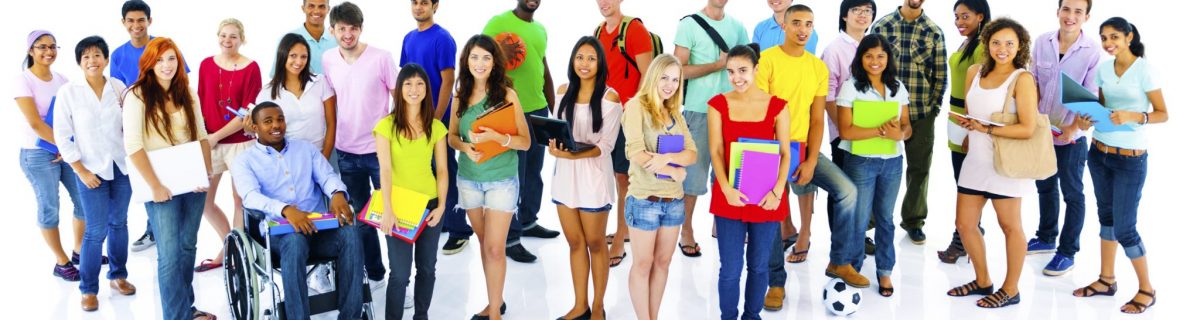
column 250, row 268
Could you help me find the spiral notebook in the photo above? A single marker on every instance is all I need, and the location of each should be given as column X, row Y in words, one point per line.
column 757, row 175
column 669, row 143
column 798, row 152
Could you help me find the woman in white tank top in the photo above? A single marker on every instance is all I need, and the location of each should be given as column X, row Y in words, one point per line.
column 1008, row 49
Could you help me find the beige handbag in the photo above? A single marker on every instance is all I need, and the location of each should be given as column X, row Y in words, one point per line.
column 1031, row 158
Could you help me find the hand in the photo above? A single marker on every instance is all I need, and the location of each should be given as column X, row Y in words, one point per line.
column 975, row 125
column 1123, row 117
column 557, row 152
column 1068, row 135
column 721, row 58
column 247, row 122
column 734, row 197
column 212, row 141
column 487, row 134
column 676, row 174
column 89, row 179
column 1083, row 122
column 961, row 121
column 657, row 162
column 769, row 202
column 201, row 189
column 299, row 220
column 435, row 216
column 892, row 130
column 341, row 209
column 388, row 222
column 160, row 193
column 473, row 154
column 805, row 174
column 57, row 158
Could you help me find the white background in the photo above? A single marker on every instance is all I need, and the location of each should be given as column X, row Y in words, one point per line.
column 542, row 290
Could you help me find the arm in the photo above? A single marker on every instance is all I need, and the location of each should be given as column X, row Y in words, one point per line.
column 442, row 173
column 331, row 185
column 1026, row 100
column 692, row 71
column 250, row 191
column 716, row 149
column 454, row 139
column 383, row 151
column 547, row 86
column 938, row 75
column 816, row 127
column 519, row 141
column 782, row 129
column 643, row 61
column 29, row 110
column 330, row 126
column 132, row 120
column 444, row 93
column 67, row 148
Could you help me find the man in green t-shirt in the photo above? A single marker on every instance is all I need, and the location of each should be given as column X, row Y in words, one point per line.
column 524, row 44
column 703, row 59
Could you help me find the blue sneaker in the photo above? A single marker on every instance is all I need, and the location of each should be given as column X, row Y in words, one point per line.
column 1036, row 246
column 1059, row 265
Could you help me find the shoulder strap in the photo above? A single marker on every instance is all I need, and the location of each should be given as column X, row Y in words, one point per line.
column 712, row 33
column 1010, row 97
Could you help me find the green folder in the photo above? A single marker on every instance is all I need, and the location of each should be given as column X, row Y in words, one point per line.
column 872, row 114
column 735, row 154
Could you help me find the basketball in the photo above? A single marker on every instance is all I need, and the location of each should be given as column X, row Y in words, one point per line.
column 514, row 49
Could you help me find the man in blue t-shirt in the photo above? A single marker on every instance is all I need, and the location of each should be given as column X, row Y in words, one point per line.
column 432, row 47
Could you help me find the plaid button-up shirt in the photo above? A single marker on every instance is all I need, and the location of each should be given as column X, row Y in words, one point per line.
column 920, row 52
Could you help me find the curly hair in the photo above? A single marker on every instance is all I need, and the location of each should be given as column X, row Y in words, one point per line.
column 1023, row 57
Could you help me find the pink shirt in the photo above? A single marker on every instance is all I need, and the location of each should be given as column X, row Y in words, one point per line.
column 838, row 56
column 588, row 183
column 362, row 90
column 42, row 92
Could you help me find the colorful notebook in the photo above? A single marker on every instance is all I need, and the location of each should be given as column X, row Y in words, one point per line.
column 669, row 143
column 1077, row 99
column 499, row 118
column 872, row 114
column 322, row 221
column 406, row 234
column 798, row 152
column 757, row 175
column 736, row 150
column 49, row 120
column 408, row 206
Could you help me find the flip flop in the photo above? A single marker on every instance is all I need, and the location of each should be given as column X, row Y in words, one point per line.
column 695, row 248
column 802, row 255
column 610, row 237
column 618, row 260
column 206, row 265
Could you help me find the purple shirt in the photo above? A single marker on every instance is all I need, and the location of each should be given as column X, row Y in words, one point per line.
column 838, row 56
column 1079, row 64
column 362, row 90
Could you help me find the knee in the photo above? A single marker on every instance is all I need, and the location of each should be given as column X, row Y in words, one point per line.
column 494, row 251
column 597, row 245
column 965, row 227
column 576, row 242
column 349, row 237
column 847, row 196
column 642, row 266
column 662, row 262
column 1011, row 229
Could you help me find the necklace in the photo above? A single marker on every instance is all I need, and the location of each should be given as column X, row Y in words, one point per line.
column 227, row 102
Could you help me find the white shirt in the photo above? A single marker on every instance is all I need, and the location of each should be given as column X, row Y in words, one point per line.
column 305, row 115
column 88, row 128
column 848, row 94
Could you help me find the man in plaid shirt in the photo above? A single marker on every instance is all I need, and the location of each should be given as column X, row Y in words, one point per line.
column 920, row 53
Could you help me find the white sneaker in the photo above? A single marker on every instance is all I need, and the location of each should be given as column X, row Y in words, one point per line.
column 320, row 280
column 408, row 300
column 376, row 285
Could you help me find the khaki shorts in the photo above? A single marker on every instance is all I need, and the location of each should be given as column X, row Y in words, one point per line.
column 224, row 153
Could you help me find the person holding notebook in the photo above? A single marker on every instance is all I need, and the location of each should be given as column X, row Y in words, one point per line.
column 654, row 208
column 747, row 219
column 487, row 189
column 876, row 173
column 408, row 140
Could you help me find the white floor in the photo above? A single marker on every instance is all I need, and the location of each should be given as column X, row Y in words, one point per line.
column 542, row 290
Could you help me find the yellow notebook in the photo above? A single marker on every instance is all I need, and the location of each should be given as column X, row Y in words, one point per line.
column 408, row 205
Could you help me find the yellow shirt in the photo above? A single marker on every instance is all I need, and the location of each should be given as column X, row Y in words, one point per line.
column 411, row 159
column 799, row 80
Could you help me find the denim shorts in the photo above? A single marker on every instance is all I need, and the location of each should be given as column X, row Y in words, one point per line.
column 696, row 182
column 495, row 195
column 648, row 215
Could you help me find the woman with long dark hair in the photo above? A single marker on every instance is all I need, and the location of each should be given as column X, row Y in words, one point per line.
column 306, row 99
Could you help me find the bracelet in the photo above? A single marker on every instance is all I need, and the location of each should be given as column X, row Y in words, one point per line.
column 1145, row 118
column 989, row 132
column 506, row 142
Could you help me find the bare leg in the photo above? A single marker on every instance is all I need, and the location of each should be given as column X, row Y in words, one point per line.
column 495, row 230
column 969, row 210
column 78, row 226
column 55, row 243
column 1108, row 257
column 216, row 218
column 642, row 245
column 687, row 234
column 1008, row 212
column 806, row 214
column 573, row 230
column 618, row 243
column 664, row 248
column 1142, row 268
column 594, row 225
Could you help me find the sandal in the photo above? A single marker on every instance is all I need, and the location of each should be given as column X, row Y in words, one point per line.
column 951, row 254
column 797, row 256
column 695, row 247
column 1140, row 306
column 1089, row 291
column 206, row 265
column 616, row 261
column 971, row 288
column 610, row 237
column 886, row 292
column 197, row 314
column 999, row 299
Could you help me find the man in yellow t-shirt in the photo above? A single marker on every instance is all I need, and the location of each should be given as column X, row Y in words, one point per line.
column 793, row 74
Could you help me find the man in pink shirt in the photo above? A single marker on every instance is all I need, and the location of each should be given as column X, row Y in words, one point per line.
column 363, row 78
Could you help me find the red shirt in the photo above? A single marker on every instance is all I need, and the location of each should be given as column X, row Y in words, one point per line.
column 637, row 42
column 730, row 132
column 219, row 88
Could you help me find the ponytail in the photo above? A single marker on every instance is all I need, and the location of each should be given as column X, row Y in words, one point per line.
column 1135, row 43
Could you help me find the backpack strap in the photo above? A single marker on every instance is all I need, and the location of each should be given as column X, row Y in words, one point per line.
column 712, row 33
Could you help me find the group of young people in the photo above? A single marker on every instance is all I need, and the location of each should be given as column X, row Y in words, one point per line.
column 339, row 119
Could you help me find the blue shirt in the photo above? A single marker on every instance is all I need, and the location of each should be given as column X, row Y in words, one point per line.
column 269, row 180
column 316, row 49
column 769, row 34
column 1126, row 92
column 432, row 49
column 124, row 64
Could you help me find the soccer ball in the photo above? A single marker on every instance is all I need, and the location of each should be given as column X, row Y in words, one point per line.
column 840, row 298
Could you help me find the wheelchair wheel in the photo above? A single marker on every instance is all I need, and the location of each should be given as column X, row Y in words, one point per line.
column 241, row 285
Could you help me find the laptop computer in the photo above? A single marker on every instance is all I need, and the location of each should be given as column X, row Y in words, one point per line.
column 545, row 129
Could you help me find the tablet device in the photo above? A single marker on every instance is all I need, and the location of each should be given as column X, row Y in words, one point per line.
column 545, row 129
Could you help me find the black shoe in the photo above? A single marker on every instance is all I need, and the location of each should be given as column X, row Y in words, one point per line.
column 75, row 258
column 453, row 246
column 519, row 254
column 539, row 232
column 869, row 246
column 917, row 236
column 586, row 315
column 503, row 307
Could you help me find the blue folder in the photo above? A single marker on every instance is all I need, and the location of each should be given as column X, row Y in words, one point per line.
column 49, row 120
column 1079, row 100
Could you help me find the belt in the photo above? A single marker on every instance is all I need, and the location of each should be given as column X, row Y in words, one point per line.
column 1117, row 151
column 657, row 199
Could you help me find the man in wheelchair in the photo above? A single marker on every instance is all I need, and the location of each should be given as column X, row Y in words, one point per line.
column 279, row 179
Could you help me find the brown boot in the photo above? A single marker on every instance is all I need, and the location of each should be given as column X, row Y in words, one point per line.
column 123, row 287
column 774, row 300
column 89, row 303
column 847, row 274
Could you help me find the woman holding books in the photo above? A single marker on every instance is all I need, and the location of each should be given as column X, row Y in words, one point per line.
column 873, row 121
column 583, row 180
column 660, row 146
column 747, row 213
column 408, row 140
column 487, row 172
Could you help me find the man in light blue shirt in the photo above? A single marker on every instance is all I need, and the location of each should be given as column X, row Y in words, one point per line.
column 319, row 39
column 281, row 180
column 769, row 33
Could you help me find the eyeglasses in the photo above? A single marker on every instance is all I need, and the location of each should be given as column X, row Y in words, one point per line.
column 44, row 47
column 861, row 11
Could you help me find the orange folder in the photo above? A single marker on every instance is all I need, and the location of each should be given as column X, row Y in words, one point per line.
column 499, row 118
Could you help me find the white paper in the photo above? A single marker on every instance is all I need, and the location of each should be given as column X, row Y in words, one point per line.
column 984, row 121
column 180, row 168
column 956, row 133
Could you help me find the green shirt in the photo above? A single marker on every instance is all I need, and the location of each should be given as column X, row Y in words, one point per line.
column 411, row 158
column 958, row 88
column 501, row 167
column 528, row 76
column 702, row 50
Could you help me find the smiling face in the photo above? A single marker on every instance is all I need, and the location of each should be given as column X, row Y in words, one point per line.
column 422, row 10
column 668, row 83
column 44, row 51
column 798, row 26
column 529, row 5
column 230, row 39
column 1114, row 41
column 858, row 18
column 315, row 11
column 136, row 23
column 914, row 4
column 585, row 62
column 741, row 73
column 270, row 126
column 966, row 20
column 875, row 61
column 297, row 59
column 778, row 6
column 413, row 90
column 93, row 62
column 480, row 62
column 1072, row 15
column 608, row 7
column 1003, row 46
column 167, row 66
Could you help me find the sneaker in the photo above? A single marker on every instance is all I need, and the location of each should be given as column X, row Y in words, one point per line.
column 917, row 236
column 869, row 246
column 1059, row 265
column 377, row 284
column 75, row 258
column 774, row 299
column 319, row 280
column 66, row 272
column 1036, row 246
column 408, row 300
column 454, row 246
column 519, row 254
column 143, row 243
column 538, row 231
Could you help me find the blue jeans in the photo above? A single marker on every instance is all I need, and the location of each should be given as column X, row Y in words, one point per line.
column 841, row 221
column 106, row 208
column 360, row 173
column 1118, row 181
column 295, row 249
column 646, row 215
column 731, row 241
column 45, row 176
column 529, row 175
column 878, row 183
column 401, row 256
column 696, row 182
column 1071, row 160
column 177, row 222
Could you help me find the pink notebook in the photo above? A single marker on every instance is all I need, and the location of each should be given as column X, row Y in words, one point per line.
column 757, row 175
